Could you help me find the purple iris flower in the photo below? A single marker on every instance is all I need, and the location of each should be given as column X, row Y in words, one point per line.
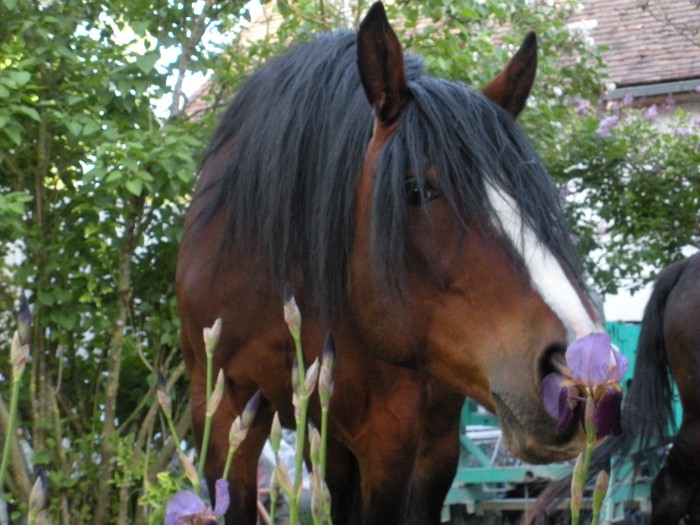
column 595, row 368
column 186, row 508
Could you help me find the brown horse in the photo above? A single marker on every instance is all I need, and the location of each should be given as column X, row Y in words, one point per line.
column 669, row 345
column 420, row 229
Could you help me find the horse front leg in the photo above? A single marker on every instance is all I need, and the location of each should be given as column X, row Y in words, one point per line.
column 437, row 455
column 385, row 449
column 343, row 480
column 385, row 473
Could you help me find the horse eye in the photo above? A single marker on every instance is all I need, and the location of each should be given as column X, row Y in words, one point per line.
column 415, row 195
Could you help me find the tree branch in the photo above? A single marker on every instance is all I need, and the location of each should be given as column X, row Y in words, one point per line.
column 189, row 48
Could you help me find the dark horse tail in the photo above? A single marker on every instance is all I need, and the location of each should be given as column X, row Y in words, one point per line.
column 647, row 415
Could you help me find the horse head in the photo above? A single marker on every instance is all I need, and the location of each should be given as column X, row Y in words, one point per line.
column 461, row 261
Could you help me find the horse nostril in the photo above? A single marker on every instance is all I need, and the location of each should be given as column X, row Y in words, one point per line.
column 553, row 360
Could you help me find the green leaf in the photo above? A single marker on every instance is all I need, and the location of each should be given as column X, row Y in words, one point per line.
column 114, row 176
column 20, row 77
column 75, row 99
column 63, row 295
column 74, row 127
column 41, row 458
column 45, row 298
column 30, row 112
column 92, row 228
column 14, row 132
column 185, row 175
column 90, row 127
column 144, row 175
column 140, row 26
column 135, row 186
column 468, row 12
column 65, row 319
column 57, row 479
column 147, row 61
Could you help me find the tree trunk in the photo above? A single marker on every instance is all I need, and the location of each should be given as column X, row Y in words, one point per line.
column 109, row 433
column 40, row 381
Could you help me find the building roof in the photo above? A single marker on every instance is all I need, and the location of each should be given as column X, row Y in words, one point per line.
column 650, row 42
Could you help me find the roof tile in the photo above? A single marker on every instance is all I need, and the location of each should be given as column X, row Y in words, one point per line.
column 642, row 48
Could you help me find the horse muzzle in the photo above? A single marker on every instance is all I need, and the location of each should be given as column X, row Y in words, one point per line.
column 532, row 436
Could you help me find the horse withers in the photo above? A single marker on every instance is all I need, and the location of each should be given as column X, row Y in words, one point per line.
column 414, row 222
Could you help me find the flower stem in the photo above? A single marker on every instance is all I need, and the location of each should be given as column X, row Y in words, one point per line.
column 590, row 442
column 173, row 430
column 324, row 441
column 275, row 439
column 273, row 502
column 295, row 500
column 580, row 473
column 301, row 439
column 14, row 398
column 229, row 460
column 207, row 418
column 577, row 482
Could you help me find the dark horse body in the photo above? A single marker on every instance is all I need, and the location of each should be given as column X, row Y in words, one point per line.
column 668, row 348
column 670, row 342
column 404, row 212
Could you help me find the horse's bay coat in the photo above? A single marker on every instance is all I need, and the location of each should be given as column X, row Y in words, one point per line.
column 385, row 199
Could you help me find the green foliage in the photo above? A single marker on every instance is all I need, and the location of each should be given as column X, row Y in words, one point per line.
column 634, row 194
column 157, row 494
column 94, row 180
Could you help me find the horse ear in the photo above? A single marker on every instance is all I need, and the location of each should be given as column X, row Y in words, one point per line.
column 511, row 87
column 380, row 64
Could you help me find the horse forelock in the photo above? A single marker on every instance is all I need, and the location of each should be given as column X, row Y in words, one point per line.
column 471, row 146
column 295, row 136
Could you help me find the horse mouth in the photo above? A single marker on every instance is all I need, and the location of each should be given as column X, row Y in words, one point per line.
column 529, row 432
column 534, row 440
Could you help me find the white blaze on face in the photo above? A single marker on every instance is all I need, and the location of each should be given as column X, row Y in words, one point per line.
column 546, row 272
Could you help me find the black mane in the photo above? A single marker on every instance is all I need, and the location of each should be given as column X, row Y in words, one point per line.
column 297, row 131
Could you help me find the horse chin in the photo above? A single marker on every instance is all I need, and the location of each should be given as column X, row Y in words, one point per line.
column 536, row 440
